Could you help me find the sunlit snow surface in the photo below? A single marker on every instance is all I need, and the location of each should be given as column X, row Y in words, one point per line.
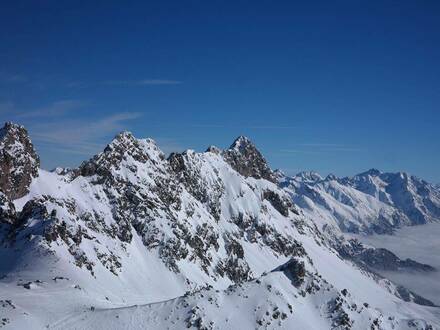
column 421, row 243
column 45, row 283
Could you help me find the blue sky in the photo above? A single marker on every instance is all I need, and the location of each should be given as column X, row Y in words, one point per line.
column 331, row 86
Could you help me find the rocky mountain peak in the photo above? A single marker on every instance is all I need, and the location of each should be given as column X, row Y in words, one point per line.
column 247, row 160
column 123, row 140
column 331, row 177
column 122, row 148
column 214, row 150
column 241, row 144
column 309, row 176
column 279, row 175
column 12, row 129
column 371, row 172
column 19, row 162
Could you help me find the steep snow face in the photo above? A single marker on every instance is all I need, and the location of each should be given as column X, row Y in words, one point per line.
column 292, row 296
column 130, row 227
column 369, row 202
column 18, row 161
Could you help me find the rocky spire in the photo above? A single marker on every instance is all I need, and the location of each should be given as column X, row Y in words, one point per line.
column 19, row 162
column 245, row 158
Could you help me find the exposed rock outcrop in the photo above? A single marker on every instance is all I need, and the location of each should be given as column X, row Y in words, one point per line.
column 19, row 162
column 7, row 210
column 378, row 258
column 295, row 271
column 245, row 158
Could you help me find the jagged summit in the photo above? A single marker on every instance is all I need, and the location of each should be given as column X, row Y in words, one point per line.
column 241, row 143
column 371, row 172
column 331, row 177
column 214, row 149
column 247, row 160
column 9, row 127
column 309, row 176
column 371, row 201
column 19, row 162
column 244, row 157
column 124, row 135
column 122, row 148
column 121, row 142
column 125, row 141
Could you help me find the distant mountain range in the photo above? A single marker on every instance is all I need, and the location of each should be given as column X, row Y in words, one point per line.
column 214, row 240
column 368, row 202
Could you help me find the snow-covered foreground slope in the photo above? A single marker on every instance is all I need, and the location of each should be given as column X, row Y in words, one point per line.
column 368, row 202
column 283, row 298
column 205, row 240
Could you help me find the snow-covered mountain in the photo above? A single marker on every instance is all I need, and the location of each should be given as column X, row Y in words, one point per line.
column 132, row 239
column 368, row 202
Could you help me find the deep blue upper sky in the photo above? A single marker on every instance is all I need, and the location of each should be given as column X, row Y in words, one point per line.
column 331, row 86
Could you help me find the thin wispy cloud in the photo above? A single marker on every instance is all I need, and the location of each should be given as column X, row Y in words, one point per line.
column 270, row 127
column 6, row 108
column 297, row 151
column 76, row 84
column 58, row 127
column 13, row 78
column 143, row 82
column 319, row 144
column 319, row 148
column 169, row 145
column 58, row 108
column 348, row 149
column 226, row 126
column 81, row 136
column 125, row 83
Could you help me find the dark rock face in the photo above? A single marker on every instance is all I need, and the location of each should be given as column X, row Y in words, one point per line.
column 295, row 271
column 282, row 205
column 245, row 158
column 7, row 210
column 235, row 266
column 18, row 161
column 378, row 258
column 408, row 295
column 384, row 259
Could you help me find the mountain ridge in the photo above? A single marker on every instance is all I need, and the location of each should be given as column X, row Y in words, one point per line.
column 386, row 200
column 203, row 231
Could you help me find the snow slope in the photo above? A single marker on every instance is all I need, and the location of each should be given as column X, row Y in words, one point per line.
column 131, row 239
